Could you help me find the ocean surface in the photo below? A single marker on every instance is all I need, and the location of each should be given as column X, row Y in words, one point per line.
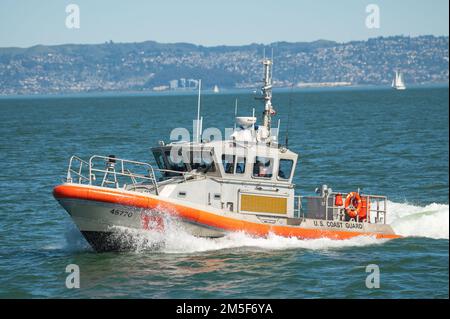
column 382, row 141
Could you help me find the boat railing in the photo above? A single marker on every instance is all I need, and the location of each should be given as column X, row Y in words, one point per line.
column 298, row 211
column 324, row 207
column 184, row 174
column 117, row 168
column 113, row 171
column 75, row 171
column 118, row 173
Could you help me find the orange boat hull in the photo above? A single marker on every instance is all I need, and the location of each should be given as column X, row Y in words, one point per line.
column 199, row 216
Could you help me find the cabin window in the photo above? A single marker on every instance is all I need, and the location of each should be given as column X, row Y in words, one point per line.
column 159, row 158
column 195, row 160
column 263, row 167
column 228, row 163
column 240, row 165
column 176, row 164
column 202, row 161
column 285, row 168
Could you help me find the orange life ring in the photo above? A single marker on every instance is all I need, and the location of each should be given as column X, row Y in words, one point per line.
column 353, row 204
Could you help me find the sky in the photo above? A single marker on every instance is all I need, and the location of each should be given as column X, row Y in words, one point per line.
column 24, row 23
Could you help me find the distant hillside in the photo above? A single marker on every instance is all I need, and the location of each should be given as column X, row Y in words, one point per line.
column 151, row 65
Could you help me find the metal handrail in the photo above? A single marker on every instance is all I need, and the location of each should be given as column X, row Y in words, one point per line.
column 182, row 173
column 381, row 211
column 122, row 172
column 85, row 171
column 79, row 172
column 298, row 211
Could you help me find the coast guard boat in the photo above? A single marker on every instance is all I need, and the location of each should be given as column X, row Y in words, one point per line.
column 243, row 183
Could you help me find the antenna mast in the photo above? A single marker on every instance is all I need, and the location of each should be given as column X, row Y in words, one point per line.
column 267, row 94
column 235, row 112
column 198, row 111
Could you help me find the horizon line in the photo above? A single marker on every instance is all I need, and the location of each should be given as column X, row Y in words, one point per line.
column 228, row 45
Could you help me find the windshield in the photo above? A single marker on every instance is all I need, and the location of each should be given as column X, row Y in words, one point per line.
column 175, row 163
column 159, row 158
column 202, row 161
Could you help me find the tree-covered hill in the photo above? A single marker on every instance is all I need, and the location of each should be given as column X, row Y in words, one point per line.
column 149, row 65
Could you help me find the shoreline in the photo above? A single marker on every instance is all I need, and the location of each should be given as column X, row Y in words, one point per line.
column 313, row 87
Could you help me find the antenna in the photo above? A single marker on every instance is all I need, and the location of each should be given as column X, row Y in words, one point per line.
column 253, row 115
column 267, row 94
column 271, row 70
column 201, row 130
column 278, row 130
column 289, row 108
column 235, row 112
column 198, row 110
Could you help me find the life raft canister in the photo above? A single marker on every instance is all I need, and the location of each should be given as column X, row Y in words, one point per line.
column 338, row 200
column 353, row 204
column 365, row 207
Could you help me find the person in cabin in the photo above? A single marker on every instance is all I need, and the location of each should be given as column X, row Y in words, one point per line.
column 264, row 169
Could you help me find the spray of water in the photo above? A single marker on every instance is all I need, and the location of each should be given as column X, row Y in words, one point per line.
column 431, row 221
column 180, row 241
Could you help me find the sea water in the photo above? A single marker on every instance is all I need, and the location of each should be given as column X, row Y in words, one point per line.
column 379, row 140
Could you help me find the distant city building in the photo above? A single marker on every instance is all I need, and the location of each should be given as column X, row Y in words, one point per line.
column 192, row 84
column 62, row 69
column 161, row 88
column 173, row 84
column 182, row 83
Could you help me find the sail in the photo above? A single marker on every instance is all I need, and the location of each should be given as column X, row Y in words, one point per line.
column 397, row 82
column 400, row 80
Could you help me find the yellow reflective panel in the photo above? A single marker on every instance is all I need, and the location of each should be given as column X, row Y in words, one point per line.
column 263, row 204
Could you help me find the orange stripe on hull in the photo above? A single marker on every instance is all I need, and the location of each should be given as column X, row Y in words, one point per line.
column 202, row 217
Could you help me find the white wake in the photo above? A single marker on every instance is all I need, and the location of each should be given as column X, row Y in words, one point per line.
column 176, row 240
column 431, row 221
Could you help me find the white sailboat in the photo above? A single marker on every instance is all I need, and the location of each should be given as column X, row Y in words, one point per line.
column 397, row 82
column 216, row 89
